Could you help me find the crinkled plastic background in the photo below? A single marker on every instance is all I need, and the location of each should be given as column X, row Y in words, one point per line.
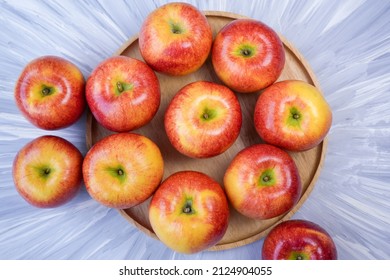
column 347, row 44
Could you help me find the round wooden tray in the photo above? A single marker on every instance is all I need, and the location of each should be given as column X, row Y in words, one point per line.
column 241, row 230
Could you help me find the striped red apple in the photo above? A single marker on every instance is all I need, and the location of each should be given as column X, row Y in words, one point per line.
column 247, row 55
column 203, row 119
column 293, row 115
column 50, row 92
column 189, row 212
column 175, row 39
column 262, row 182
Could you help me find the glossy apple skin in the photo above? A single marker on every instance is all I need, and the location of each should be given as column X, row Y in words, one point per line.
column 253, row 196
column 298, row 240
column 197, row 230
column 47, row 171
column 131, row 108
column 122, row 170
column 274, row 110
column 172, row 53
column 203, row 119
column 252, row 72
column 61, row 103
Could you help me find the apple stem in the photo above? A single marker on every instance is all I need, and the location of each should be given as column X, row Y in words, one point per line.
column 299, row 258
column 47, row 171
column 296, row 116
column 246, row 52
column 187, row 209
column 120, row 172
column 266, row 179
column 46, row 91
column 119, row 86
column 205, row 116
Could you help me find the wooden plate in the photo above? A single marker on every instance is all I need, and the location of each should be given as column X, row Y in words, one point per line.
column 241, row 230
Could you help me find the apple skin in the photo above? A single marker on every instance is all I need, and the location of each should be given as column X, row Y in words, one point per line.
column 50, row 92
column 47, row 171
column 298, row 240
column 175, row 39
column 123, row 93
column 262, row 182
column 203, row 119
column 247, row 55
column 293, row 115
column 189, row 212
column 122, row 170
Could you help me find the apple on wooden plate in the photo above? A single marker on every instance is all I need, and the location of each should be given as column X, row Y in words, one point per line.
column 203, row 119
column 122, row 170
column 189, row 212
column 50, row 92
column 47, row 171
column 123, row 93
column 293, row 115
column 247, row 55
column 175, row 39
column 262, row 182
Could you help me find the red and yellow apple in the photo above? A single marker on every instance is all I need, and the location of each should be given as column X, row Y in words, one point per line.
column 47, row 171
column 123, row 170
column 50, row 92
column 175, row 39
column 123, row 93
column 292, row 114
column 262, row 182
column 298, row 240
column 189, row 212
column 203, row 119
column 247, row 55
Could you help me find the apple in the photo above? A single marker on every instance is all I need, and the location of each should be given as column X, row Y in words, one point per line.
column 123, row 93
column 293, row 115
column 298, row 240
column 175, row 39
column 189, row 212
column 47, row 171
column 247, row 55
column 122, row 170
column 262, row 182
column 50, row 92
column 203, row 119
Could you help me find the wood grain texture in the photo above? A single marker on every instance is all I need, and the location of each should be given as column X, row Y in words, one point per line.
column 241, row 230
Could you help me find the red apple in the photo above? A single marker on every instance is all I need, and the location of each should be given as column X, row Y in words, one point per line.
column 175, row 39
column 123, row 93
column 298, row 240
column 47, row 171
column 189, row 212
column 247, row 55
column 203, row 119
column 262, row 182
column 293, row 115
column 50, row 92
column 123, row 170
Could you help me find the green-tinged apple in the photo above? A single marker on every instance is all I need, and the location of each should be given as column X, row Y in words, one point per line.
column 47, row 171
column 189, row 212
column 175, row 39
column 262, row 182
column 298, row 240
column 123, row 170
column 203, row 119
column 293, row 115
column 123, row 93
column 50, row 92
column 247, row 55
